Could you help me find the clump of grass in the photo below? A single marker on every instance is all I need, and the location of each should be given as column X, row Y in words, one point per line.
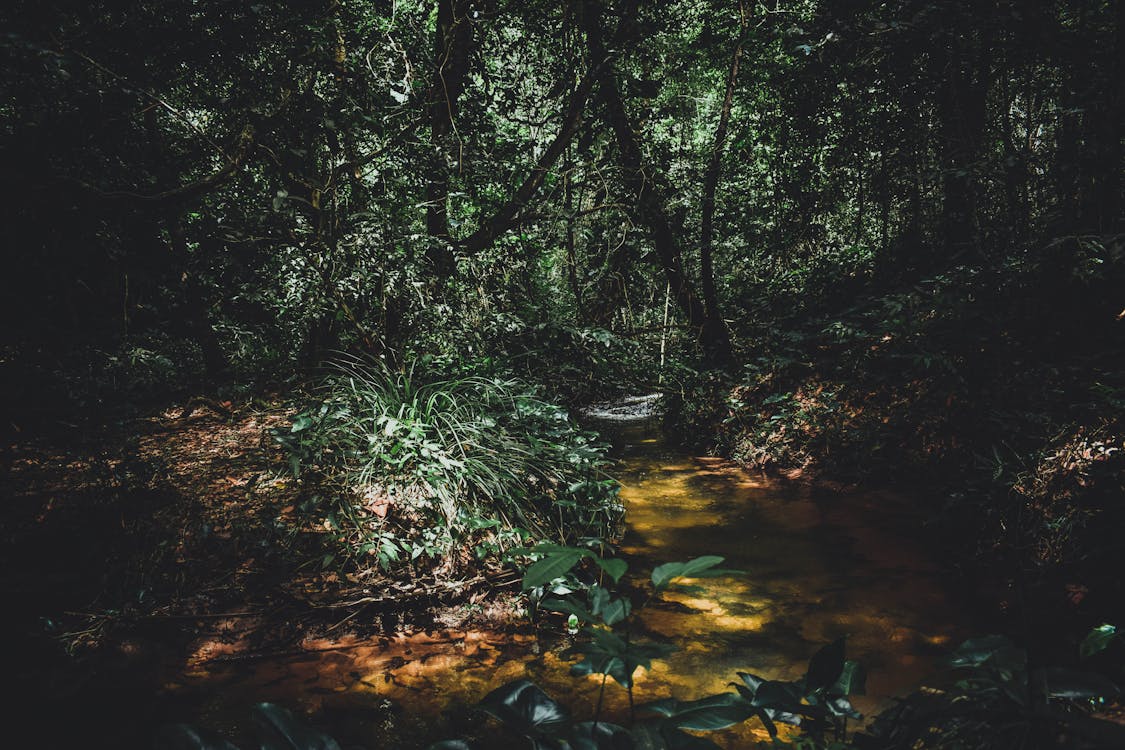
column 436, row 470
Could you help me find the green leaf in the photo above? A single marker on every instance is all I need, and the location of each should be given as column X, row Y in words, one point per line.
column 775, row 700
column 664, row 574
column 522, row 705
column 616, row 610
column 187, row 737
column 589, row 735
column 994, row 651
column 611, row 655
column 614, row 567
column 751, row 681
column 778, row 695
column 1097, row 640
column 852, row 681
column 555, row 565
column 706, row 714
column 278, row 729
column 826, row 666
column 609, row 608
column 659, row 736
column 301, row 423
column 838, row 705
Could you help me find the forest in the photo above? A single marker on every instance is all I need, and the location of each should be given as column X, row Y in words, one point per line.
column 572, row 375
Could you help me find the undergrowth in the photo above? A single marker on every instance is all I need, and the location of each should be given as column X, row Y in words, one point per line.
column 417, row 472
column 1008, row 413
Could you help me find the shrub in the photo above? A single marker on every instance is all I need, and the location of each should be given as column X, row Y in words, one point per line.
column 421, row 468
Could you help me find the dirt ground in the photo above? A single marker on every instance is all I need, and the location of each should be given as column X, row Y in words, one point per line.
column 183, row 524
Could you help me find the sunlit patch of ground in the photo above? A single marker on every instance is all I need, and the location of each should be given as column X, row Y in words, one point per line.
column 187, row 520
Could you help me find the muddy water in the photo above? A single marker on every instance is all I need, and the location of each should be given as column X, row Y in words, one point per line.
column 818, row 565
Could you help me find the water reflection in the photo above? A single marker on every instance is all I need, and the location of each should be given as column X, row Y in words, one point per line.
column 818, row 565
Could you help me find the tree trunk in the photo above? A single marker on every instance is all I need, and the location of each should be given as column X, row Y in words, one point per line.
column 506, row 216
column 571, row 250
column 650, row 190
column 710, row 187
column 453, row 39
column 197, row 321
column 961, row 108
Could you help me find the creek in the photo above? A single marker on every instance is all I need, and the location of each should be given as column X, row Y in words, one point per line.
column 818, row 563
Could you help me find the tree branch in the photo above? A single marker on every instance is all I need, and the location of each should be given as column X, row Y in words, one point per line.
column 505, row 217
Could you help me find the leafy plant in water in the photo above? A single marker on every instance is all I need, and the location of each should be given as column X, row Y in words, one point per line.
column 1001, row 701
column 275, row 728
column 817, row 702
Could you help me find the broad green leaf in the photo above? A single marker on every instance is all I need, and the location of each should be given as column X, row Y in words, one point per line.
column 995, row 651
column 826, row 666
column 599, row 597
column 664, row 574
column 606, row 606
column 652, row 735
column 523, row 706
column 278, row 729
column 616, row 610
column 602, row 735
column 187, row 737
column 751, row 681
column 783, row 696
column 614, row 567
column 852, row 681
column 610, row 654
column 1097, row 640
column 706, row 714
column 597, row 662
column 838, row 705
column 774, row 700
column 554, row 565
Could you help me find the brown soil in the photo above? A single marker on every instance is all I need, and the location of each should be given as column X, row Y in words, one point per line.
column 182, row 527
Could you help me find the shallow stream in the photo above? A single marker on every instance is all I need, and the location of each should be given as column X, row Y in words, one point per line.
column 819, row 564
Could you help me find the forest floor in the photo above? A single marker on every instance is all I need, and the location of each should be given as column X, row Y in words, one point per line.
column 181, row 525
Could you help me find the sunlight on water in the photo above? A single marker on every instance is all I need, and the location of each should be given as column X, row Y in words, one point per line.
column 818, row 565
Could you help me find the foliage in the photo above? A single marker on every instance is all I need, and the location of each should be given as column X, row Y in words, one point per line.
column 421, row 468
column 1097, row 640
column 817, row 702
column 1001, row 701
column 275, row 728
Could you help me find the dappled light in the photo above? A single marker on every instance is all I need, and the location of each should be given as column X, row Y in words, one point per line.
column 584, row 375
column 807, row 579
